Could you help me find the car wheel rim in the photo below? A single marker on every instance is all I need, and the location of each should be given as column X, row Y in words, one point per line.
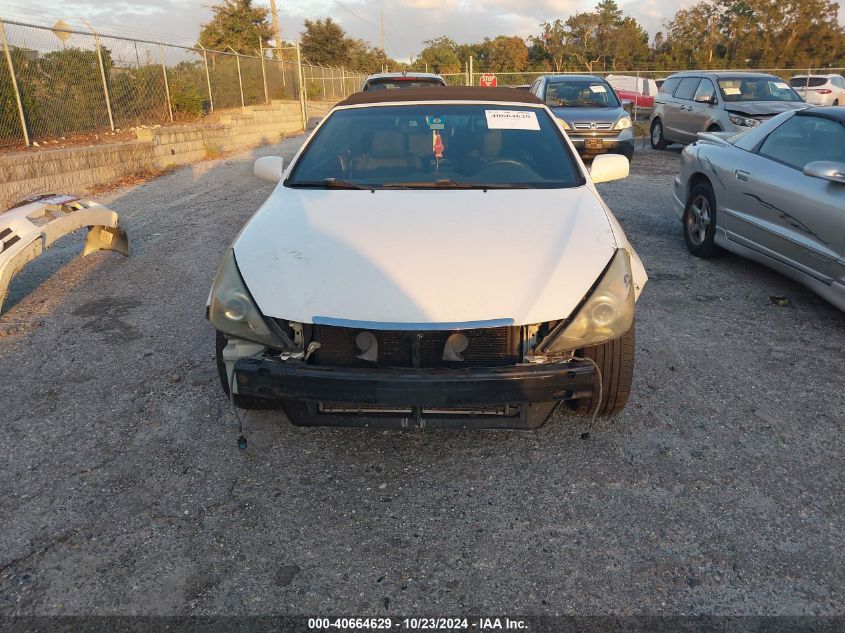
column 656, row 133
column 698, row 220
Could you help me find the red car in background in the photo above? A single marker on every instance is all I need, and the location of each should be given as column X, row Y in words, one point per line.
column 640, row 91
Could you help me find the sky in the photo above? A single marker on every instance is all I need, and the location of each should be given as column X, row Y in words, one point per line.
column 408, row 23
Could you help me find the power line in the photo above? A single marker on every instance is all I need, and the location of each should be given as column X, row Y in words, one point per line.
column 380, row 28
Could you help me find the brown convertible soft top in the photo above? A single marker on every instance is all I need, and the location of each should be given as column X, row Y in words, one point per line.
column 442, row 93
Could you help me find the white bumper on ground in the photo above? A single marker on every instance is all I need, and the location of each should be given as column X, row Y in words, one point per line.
column 28, row 230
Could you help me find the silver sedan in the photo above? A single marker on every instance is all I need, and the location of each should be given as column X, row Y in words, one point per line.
column 774, row 194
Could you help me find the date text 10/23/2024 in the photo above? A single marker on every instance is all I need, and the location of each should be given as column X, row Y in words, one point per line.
column 418, row 624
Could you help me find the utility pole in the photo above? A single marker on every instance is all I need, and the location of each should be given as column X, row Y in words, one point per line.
column 277, row 32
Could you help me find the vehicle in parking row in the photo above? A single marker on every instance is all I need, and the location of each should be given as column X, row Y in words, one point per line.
column 590, row 112
column 774, row 194
column 392, row 81
column 693, row 102
column 435, row 257
column 820, row 90
column 638, row 90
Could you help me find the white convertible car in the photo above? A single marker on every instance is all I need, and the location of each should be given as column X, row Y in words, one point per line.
column 431, row 258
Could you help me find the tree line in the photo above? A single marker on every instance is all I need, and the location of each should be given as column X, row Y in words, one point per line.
column 712, row 33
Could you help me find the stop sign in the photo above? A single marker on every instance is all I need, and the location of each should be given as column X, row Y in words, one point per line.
column 488, row 80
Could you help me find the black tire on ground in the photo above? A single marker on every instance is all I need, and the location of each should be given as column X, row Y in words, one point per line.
column 615, row 359
column 242, row 402
column 699, row 221
column 658, row 140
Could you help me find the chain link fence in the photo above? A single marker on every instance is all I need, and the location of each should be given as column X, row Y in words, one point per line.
column 60, row 82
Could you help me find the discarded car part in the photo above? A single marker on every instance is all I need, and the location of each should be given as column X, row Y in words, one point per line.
column 28, row 229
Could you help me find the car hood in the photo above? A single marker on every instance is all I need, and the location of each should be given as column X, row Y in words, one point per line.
column 406, row 257
column 764, row 108
column 599, row 115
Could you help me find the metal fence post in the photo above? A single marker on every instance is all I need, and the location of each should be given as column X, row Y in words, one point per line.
column 207, row 77
column 342, row 82
column 263, row 72
column 636, row 105
column 102, row 73
column 14, row 82
column 240, row 81
column 471, row 78
column 323, row 78
column 166, row 85
column 301, row 87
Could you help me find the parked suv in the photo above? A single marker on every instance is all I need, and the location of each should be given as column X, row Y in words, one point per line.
column 590, row 112
column 822, row 90
column 693, row 102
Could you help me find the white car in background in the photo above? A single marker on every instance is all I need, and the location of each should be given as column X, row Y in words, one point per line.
column 434, row 257
column 820, row 90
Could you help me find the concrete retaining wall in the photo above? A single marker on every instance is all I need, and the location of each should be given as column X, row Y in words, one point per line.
column 72, row 170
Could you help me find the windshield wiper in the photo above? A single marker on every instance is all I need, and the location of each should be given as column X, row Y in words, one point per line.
column 329, row 183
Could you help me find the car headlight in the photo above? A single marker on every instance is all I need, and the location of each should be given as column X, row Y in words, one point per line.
column 606, row 314
column 623, row 124
column 564, row 124
column 233, row 311
column 744, row 121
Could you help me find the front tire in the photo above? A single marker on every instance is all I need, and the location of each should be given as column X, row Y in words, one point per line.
column 251, row 403
column 658, row 140
column 615, row 360
column 700, row 221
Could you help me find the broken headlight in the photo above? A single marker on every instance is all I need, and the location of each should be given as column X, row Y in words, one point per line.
column 607, row 313
column 233, row 310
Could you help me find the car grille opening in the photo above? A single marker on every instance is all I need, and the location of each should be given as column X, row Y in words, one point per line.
column 502, row 410
column 488, row 347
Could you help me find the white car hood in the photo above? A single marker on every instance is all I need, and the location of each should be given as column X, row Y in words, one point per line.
column 403, row 257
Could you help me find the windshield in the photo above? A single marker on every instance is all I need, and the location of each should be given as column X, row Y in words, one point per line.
column 590, row 93
column 398, row 82
column 756, row 89
column 437, row 146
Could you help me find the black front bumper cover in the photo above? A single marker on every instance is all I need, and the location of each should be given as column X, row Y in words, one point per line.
column 419, row 389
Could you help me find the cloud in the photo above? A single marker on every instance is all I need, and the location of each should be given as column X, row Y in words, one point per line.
column 408, row 23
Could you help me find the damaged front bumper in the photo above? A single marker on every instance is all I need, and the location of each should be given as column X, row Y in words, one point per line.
column 27, row 230
column 520, row 396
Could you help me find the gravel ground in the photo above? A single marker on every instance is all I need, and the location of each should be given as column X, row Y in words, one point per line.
column 719, row 490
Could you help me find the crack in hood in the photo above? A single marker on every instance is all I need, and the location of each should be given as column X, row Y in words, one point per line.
column 764, row 108
column 403, row 256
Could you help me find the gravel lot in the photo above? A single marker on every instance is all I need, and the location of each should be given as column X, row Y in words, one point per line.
column 719, row 490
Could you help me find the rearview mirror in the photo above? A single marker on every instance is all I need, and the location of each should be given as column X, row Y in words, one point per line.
column 826, row 170
column 269, row 168
column 609, row 167
column 627, row 105
column 707, row 99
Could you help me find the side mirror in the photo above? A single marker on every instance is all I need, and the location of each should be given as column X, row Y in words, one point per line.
column 627, row 105
column 607, row 167
column 269, row 168
column 826, row 170
column 711, row 100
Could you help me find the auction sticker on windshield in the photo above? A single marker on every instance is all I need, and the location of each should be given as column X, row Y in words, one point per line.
column 512, row 120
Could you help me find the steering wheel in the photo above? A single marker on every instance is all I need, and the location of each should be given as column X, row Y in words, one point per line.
column 508, row 168
column 505, row 162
